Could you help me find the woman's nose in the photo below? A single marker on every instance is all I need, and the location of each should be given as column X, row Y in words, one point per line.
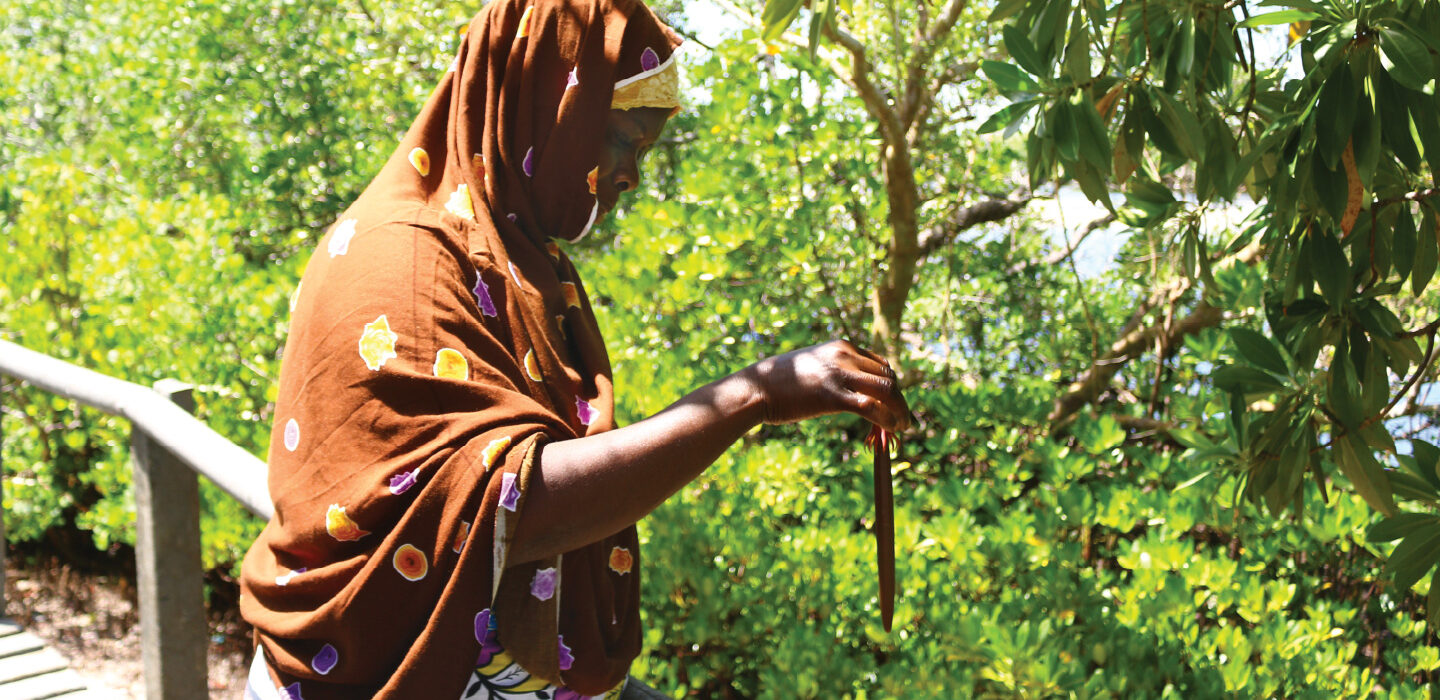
column 627, row 177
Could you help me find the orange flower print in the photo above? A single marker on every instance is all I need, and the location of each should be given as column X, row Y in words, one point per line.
column 572, row 294
column 421, row 160
column 591, row 177
column 560, row 324
column 459, row 203
column 340, row 237
column 340, row 526
column 410, row 562
column 477, row 163
column 492, row 451
column 621, row 560
column 377, row 343
column 450, row 364
column 532, row 368
column 460, row 536
column 525, row 23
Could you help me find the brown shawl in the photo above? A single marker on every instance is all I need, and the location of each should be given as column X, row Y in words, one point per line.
column 438, row 340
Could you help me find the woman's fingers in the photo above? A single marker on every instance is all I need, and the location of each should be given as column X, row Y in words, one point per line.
column 871, row 409
column 876, row 399
column 879, row 381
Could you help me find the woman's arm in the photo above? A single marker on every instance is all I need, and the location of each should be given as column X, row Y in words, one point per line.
column 589, row 488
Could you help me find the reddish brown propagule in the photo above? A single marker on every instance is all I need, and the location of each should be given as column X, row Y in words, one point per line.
column 881, row 441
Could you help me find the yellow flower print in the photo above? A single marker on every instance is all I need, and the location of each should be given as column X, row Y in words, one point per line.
column 450, row 364
column 459, row 203
column 493, row 451
column 592, row 177
column 532, row 368
column 572, row 294
column 340, row 526
column 377, row 343
column 421, row 160
column 525, row 23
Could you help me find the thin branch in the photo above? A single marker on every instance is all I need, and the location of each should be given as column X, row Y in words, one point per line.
column 1059, row 256
column 1429, row 329
column 988, row 211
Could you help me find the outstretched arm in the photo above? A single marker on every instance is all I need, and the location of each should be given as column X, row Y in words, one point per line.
column 639, row 466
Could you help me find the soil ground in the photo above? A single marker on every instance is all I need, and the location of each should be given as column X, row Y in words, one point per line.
column 93, row 621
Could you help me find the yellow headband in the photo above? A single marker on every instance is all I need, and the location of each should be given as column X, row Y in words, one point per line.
column 657, row 87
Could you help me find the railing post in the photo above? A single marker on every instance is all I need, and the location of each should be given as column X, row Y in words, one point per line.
column 173, row 630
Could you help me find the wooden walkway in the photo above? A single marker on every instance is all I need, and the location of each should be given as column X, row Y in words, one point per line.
column 29, row 670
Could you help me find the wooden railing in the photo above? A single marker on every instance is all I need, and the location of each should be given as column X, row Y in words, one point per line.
column 168, row 448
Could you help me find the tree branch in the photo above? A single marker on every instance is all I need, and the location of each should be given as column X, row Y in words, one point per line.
column 859, row 78
column 985, row 212
column 915, row 72
column 1135, row 341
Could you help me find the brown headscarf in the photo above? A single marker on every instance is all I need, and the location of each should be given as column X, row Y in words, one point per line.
column 438, row 340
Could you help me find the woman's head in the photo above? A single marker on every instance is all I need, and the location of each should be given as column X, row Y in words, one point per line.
column 542, row 97
column 629, row 135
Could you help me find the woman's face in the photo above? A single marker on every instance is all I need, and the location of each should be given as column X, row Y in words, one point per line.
column 629, row 134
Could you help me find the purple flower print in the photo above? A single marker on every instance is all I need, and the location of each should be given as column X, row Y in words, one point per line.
column 325, row 660
column 482, row 296
column 485, row 634
column 543, row 585
column 400, row 483
column 528, row 165
column 572, row 79
column 509, row 493
column 566, row 660
column 292, row 435
column 583, row 410
column 291, row 692
column 284, row 579
column 482, row 625
column 649, row 60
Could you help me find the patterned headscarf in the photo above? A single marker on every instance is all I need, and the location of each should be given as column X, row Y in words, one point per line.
column 438, row 340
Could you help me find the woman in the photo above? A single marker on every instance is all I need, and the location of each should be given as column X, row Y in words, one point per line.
column 454, row 510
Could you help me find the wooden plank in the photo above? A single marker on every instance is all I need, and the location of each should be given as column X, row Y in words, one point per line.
column 35, row 663
column 55, row 684
column 22, row 643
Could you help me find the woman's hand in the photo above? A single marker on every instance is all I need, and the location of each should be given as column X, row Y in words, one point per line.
column 832, row 377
